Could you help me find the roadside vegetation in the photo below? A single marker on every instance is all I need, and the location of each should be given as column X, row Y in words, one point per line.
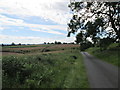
column 98, row 29
column 103, row 29
column 45, row 70
column 110, row 55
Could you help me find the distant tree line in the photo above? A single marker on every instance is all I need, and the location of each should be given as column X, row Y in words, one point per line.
column 57, row 42
column 12, row 44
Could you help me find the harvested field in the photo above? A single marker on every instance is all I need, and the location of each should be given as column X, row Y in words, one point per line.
column 37, row 50
column 27, row 48
column 64, row 46
column 10, row 53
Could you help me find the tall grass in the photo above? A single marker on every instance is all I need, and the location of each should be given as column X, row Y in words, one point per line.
column 53, row 70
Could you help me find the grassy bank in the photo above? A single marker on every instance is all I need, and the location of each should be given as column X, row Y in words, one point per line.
column 111, row 55
column 52, row 70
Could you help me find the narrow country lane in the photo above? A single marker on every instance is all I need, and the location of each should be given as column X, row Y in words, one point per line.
column 100, row 73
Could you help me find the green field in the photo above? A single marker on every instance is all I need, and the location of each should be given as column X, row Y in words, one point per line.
column 111, row 55
column 59, row 67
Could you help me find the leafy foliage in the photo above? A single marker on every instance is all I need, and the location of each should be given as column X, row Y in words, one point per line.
column 86, row 45
column 13, row 68
column 96, row 20
column 105, row 42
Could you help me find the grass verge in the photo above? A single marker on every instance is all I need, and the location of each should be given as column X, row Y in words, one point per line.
column 111, row 55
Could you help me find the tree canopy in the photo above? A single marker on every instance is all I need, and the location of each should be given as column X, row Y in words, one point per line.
column 97, row 20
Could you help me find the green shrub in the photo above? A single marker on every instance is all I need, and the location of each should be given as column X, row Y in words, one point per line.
column 46, row 50
column 11, row 66
column 84, row 46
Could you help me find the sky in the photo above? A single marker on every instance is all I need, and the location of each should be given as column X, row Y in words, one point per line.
column 34, row 21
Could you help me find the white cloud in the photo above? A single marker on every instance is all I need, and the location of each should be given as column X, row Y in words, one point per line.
column 5, row 21
column 55, row 10
column 32, row 40
column 1, row 28
column 48, row 31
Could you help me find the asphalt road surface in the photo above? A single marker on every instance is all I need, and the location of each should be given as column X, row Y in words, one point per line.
column 100, row 74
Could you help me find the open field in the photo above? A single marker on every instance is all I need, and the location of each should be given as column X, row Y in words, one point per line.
column 7, row 50
column 49, row 66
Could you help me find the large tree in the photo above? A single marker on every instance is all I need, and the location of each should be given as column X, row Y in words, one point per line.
column 95, row 20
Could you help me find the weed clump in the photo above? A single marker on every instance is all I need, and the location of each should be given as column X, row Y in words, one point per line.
column 74, row 57
column 46, row 50
column 13, row 68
